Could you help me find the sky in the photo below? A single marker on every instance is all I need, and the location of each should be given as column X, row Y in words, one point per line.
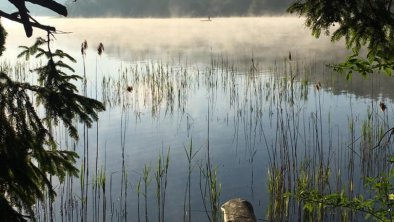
column 163, row 8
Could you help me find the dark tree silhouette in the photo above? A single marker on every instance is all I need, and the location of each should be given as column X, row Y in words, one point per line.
column 22, row 15
column 29, row 155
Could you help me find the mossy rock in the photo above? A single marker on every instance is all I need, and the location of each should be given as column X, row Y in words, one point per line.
column 238, row 210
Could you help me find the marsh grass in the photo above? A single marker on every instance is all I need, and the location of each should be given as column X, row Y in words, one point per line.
column 161, row 177
column 304, row 161
column 210, row 190
column 210, row 187
column 282, row 113
column 187, row 206
column 146, row 183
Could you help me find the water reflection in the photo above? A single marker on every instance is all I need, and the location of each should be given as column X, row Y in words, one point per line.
column 259, row 123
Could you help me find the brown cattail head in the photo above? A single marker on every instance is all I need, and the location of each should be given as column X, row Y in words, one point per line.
column 129, row 88
column 84, row 47
column 383, row 106
column 100, row 48
column 318, row 86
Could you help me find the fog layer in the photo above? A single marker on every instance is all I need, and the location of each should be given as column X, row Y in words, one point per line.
column 269, row 38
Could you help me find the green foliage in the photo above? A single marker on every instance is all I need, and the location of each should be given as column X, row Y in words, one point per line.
column 57, row 94
column 360, row 23
column 364, row 66
column 378, row 207
column 368, row 29
column 28, row 153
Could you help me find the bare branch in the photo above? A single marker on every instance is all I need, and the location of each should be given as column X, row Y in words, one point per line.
column 52, row 5
column 33, row 24
column 24, row 15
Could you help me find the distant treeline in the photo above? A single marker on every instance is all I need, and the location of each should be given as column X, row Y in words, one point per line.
column 176, row 8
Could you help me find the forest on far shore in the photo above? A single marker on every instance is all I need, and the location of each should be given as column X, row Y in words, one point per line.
column 176, row 8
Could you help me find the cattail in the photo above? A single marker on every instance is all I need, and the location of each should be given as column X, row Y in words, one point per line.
column 129, row 88
column 289, row 56
column 84, row 47
column 100, row 48
column 318, row 86
column 383, row 106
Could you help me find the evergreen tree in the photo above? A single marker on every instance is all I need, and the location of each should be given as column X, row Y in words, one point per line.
column 29, row 155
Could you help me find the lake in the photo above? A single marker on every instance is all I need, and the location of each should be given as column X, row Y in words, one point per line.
column 199, row 112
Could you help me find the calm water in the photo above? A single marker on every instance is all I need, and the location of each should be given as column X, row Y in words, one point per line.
column 226, row 86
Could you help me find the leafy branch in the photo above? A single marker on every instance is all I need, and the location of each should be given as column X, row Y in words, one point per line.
column 378, row 207
column 365, row 66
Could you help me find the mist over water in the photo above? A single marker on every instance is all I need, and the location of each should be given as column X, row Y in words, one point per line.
column 231, row 75
column 266, row 38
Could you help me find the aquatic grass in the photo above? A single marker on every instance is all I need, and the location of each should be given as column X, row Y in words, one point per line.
column 146, row 182
column 84, row 193
column 161, row 177
column 112, row 204
column 98, row 183
column 138, row 190
column 124, row 184
column 101, row 183
column 190, row 154
column 210, row 190
column 280, row 114
column 210, row 187
column 98, row 191
column 286, row 174
column 278, row 209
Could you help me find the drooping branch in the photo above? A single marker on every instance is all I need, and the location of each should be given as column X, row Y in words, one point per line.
column 24, row 17
column 52, row 5
column 33, row 24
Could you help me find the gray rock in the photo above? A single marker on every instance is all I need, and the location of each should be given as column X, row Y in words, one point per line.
column 238, row 210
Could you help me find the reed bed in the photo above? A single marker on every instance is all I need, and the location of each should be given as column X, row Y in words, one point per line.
column 282, row 122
